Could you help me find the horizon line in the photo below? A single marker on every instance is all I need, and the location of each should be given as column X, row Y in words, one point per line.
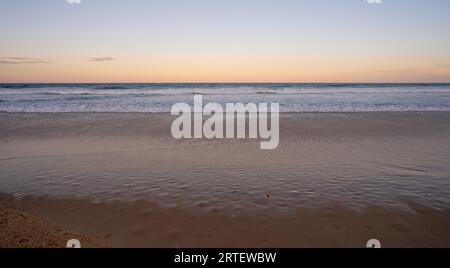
column 225, row 83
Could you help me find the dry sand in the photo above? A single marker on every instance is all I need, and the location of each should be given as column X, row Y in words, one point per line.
column 20, row 229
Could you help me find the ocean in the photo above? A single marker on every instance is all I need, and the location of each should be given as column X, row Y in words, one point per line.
column 157, row 98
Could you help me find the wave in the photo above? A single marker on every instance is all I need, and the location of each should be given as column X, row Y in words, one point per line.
column 41, row 107
column 160, row 98
column 169, row 92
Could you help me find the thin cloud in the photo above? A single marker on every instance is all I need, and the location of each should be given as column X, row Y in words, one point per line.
column 101, row 59
column 440, row 70
column 21, row 60
column 73, row 1
column 442, row 66
column 374, row 1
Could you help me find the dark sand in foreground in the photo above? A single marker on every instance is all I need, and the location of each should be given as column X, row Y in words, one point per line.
column 19, row 229
column 402, row 147
column 144, row 224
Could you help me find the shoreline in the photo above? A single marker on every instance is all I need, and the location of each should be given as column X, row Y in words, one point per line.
column 281, row 112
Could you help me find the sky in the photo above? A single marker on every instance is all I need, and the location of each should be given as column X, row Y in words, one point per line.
column 224, row 41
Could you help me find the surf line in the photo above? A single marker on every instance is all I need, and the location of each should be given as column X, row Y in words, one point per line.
column 229, row 122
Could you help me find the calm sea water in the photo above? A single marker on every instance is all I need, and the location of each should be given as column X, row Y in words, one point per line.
column 160, row 97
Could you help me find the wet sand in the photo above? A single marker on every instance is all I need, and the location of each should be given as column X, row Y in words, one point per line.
column 337, row 180
column 144, row 224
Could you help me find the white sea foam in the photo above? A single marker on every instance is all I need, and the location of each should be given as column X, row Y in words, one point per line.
column 151, row 98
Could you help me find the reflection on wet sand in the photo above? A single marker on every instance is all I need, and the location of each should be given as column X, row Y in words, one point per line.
column 375, row 165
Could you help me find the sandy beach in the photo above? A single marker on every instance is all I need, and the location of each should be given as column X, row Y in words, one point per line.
column 147, row 225
column 336, row 180
column 19, row 229
column 173, row 125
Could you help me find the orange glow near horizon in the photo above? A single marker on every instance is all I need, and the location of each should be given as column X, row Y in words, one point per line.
column 228, row 70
